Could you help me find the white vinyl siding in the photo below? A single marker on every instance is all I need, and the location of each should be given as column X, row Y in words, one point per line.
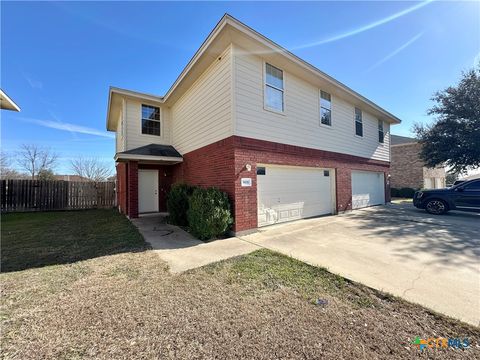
column 203, row 115
column 119, row 136
column 299, row 124
column 134, row 136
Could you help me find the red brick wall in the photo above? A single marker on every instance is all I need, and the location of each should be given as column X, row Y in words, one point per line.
column 222, row 165
column 132, row 192
column 211, row 165
column 121, row 187
column 254, row 151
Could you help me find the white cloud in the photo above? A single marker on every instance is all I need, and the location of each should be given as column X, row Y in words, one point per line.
column 396, row 51
column 69, row 127
column 365, row 27
column 34, row 84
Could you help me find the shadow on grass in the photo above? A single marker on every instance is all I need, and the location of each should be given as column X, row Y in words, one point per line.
column 32, row 240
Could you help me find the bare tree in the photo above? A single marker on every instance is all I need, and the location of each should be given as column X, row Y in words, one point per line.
column 91, row 168
column 6, row 171
column 34, row 159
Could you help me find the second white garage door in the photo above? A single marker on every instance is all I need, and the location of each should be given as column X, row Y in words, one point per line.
column 368, row 189
column 290, row 193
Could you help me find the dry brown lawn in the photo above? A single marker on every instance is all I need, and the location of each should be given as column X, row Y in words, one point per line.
column 128, row 306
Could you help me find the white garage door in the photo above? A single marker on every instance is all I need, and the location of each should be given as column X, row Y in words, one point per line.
column 291, row 193
column 367, row 189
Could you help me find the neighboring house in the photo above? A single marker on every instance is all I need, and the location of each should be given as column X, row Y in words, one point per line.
column 408, row 170
column 283, row 139
column 6, row 103
column 71, row 178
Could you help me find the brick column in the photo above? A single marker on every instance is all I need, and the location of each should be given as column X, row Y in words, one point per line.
column 121, row 187
column 388, row 197
column 344, row 189
column 245, row 199
column 132, row 173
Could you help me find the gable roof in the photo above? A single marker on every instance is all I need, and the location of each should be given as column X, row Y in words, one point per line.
column 402, row 140
column 7, row 103
column 230, row 30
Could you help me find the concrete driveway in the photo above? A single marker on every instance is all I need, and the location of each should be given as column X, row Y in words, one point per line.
column 430, row 260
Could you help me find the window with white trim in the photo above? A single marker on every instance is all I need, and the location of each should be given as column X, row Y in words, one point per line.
column 381, row 133
column 358, row 122
column 150, row 120
column 274, row 89
column 325, row 108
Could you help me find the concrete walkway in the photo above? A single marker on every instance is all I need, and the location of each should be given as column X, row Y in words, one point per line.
column 430, row 260
column 181, row 250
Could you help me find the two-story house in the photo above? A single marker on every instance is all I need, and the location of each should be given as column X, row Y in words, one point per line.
column 283, row 139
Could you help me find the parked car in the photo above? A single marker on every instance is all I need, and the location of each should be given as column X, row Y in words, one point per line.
column 458, row 182
column 464, row 196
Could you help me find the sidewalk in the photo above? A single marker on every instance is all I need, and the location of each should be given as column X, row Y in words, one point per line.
column 181, row 250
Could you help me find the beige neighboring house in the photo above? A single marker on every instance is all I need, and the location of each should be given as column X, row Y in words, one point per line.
column 6, row 103
column 408, row 170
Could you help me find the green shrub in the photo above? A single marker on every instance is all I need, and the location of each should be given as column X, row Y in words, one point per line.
column 209, row 213
column 406, row 192
column 394, row 192
column 177, row 203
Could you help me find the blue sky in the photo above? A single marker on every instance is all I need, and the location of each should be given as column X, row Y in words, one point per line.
column 58, row 59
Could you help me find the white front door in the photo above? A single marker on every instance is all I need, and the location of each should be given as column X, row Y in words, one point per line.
column 368, row 188
column 288, row 193
column 147, row 191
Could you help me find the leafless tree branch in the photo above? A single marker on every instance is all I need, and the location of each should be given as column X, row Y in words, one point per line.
column 34, row 159
column 91, row 168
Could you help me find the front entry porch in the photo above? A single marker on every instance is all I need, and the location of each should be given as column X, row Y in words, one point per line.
column 144, row 180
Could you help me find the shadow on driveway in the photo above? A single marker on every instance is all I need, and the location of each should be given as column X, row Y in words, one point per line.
column 451, row 239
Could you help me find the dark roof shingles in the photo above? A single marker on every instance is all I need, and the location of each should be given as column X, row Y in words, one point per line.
column 399, row 140
column 154, row 150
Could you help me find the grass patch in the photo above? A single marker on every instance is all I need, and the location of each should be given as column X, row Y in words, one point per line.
column 268, row 270
column 47, row 238
column 128, row 306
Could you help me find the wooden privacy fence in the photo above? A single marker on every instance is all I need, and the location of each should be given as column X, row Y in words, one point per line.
column 36, row 195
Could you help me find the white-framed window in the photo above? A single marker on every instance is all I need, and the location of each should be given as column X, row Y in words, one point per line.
column 274, row 88
column 358, row 122
column 150, row 120
column 325, row 108
column 381, row 133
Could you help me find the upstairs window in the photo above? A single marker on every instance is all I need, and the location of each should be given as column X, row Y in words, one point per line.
column 274, row 88
column 150, row 120
column 381, row 134
column 325, row 108
column 358, row 122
